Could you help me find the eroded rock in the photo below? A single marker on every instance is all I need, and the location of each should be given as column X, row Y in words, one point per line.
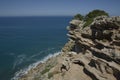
column 92, row 53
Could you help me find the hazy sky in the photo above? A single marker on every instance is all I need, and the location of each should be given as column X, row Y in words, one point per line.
column 56, row 7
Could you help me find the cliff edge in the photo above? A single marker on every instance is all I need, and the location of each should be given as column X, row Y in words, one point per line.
column 92, row 53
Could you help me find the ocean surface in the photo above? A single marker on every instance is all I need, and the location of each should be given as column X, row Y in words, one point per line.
column 27, row 40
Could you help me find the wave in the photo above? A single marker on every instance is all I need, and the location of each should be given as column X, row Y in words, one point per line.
column 19, row 60
column 25, row 70
column 37, row 54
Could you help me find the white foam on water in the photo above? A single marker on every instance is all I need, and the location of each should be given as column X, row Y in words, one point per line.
column 37, row 54
column 19, row 60
column 25, row 70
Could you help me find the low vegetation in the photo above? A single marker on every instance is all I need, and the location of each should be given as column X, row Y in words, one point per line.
column 78, row 17
column 90, row 16
column 50, row 75
column 47, row 68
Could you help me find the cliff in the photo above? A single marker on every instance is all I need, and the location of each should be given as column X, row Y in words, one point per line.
column 92, row 53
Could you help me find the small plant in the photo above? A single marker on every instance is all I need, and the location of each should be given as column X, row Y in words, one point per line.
column 45, row 70
column 50, row 75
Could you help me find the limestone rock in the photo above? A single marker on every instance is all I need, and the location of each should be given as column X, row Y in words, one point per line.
column 98, row 48
column 92, row 53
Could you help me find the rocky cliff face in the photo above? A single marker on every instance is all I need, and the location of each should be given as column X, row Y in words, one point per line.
column 92, row 53
column 98, row 47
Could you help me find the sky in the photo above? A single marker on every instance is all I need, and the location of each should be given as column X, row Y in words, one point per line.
column 56, row 7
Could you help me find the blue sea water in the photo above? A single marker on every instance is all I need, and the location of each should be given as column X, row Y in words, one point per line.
column 26, row 40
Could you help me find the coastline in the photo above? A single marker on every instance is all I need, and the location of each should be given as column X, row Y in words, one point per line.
column 35, row 66
column 86, row 56
column 27, row 40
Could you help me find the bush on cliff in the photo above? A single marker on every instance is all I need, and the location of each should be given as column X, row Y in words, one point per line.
column 78, row 17
column 96, row 13
column 91, row 15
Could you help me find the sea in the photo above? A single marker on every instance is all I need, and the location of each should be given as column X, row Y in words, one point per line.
column 25, row 41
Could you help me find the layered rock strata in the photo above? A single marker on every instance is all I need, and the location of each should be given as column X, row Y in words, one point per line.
column 92, row 53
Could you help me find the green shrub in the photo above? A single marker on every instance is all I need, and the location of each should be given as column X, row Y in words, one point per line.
column 78, row 17
column 96, row 13
column 91, row 15
column 88, row 22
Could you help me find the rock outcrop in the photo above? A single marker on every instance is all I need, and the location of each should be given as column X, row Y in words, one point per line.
column 98, row 47
column 92, row 53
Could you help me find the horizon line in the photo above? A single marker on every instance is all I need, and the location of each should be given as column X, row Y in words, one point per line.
column 39, row 16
